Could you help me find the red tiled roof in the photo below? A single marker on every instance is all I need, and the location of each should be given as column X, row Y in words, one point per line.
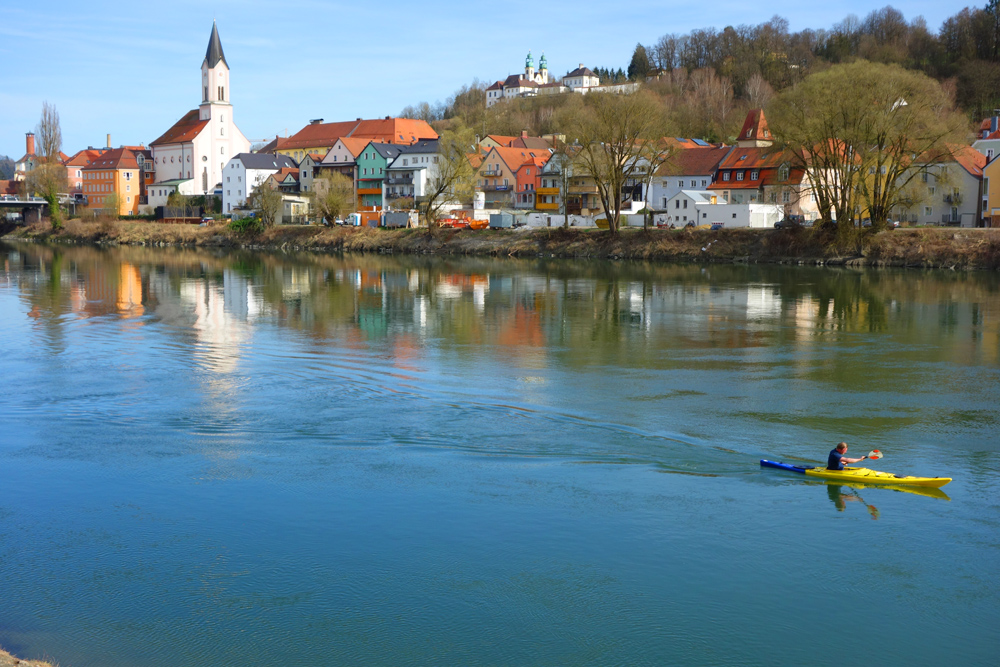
column 184, row 130
column 515, row 157
column 968, row 157
column 8, row 187
column 765, row 161
column 756, row 125
column 385, row 130
column 284, row 173
column 116, row 158
column 699, row 161
column 496, row 86
column 83, row 158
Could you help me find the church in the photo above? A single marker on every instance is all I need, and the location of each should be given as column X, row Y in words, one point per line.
column 191, row 155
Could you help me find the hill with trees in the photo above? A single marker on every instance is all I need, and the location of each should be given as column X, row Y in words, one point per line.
column 706, row 79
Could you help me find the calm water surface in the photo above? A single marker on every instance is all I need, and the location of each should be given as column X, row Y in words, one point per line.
column 266, row 459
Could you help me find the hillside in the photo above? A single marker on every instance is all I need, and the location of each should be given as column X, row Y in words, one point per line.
column 708, row 78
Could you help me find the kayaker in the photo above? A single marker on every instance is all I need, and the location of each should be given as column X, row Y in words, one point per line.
column 836, row 460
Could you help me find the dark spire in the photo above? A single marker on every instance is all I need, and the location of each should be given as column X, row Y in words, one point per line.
column 214, row 53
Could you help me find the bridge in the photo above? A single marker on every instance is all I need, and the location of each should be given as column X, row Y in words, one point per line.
column 30, row 208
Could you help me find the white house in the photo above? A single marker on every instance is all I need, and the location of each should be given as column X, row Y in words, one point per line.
column 199, row 145
column 244, row 172
column 581, row 78
column 947, row 192
column 413, row 169
column 704, row 207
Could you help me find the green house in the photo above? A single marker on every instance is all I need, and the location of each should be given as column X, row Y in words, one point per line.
column 372, row 172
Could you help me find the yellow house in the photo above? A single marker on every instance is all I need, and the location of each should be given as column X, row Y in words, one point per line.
column 119, row 172
column 991, row 193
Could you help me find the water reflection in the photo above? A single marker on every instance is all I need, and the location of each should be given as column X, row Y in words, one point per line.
column 840, row 495
column 592, row 313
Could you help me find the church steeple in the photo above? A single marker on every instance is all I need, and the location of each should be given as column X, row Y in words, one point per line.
column 214, row 75
column 214, row 52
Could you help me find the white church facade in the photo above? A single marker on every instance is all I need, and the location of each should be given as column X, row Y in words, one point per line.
column 191, row 156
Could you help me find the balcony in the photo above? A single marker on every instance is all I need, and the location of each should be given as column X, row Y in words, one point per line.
column 370, row 191
column 400, row 180
column 490, row 172
column 955, row 199
column 494, row 188
column 548, row 191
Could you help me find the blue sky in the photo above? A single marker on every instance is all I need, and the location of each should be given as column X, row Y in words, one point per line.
column 133, row 69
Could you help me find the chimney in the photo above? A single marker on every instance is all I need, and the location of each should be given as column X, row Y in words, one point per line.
column 524, row 134
column 109, row 140
column 993, row 121
column 388, row 117
column 581, row 65
column 29, row 143
column 316, row 121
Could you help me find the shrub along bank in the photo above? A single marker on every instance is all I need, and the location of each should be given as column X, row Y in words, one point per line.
column 919, row 247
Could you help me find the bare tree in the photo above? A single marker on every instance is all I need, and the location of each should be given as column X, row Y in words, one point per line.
column 266, row 200
column 758, row 91
column 334, row 196
column 49, row 133
column 451, row 176
column 618, row 137
column 48, row 178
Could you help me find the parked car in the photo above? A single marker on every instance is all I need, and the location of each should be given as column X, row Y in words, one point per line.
column 790, row 221
column 716, row 226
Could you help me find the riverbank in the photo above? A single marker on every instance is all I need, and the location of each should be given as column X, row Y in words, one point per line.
column 924, row 247
column 8, row 660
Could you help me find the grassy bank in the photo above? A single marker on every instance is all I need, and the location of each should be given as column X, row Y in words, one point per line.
column 920, row 247
column 7, row 660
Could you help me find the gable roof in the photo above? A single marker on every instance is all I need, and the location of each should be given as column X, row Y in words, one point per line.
column 699, row 196
column 515, row 157
column 496, row 86
column 214, row 52
column 265, row 161
column 966, row 156
column 83, row 158
column 183, row 131
column 285, row 173
column 582, row 71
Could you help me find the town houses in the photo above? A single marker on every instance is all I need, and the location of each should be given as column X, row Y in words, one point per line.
column 393, row 163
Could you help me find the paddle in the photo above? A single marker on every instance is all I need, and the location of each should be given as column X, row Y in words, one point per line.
column 874, row 455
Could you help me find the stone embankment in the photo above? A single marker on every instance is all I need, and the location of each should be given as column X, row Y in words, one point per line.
column 925, row 247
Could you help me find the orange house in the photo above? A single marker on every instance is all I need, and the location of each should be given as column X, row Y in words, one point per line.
column 115, row 171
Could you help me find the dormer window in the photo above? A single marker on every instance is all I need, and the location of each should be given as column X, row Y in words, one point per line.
column 783, row 172
column 739, row 176
column 753, row 175
column 748, row 132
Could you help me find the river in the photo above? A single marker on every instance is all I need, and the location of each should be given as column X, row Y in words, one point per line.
column 239, row 458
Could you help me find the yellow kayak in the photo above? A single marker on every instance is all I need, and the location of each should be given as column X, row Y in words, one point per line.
column 861, row 475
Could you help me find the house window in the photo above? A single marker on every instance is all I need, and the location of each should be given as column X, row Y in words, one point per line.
column 786, row 197
column 739, row 176
column 725, row 176
column 685, row 203
column 928, row 210
column 753, row 175
column 694, row 184
column 748, row 132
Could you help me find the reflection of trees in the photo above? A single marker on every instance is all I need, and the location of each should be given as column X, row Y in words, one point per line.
column 584, row 313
